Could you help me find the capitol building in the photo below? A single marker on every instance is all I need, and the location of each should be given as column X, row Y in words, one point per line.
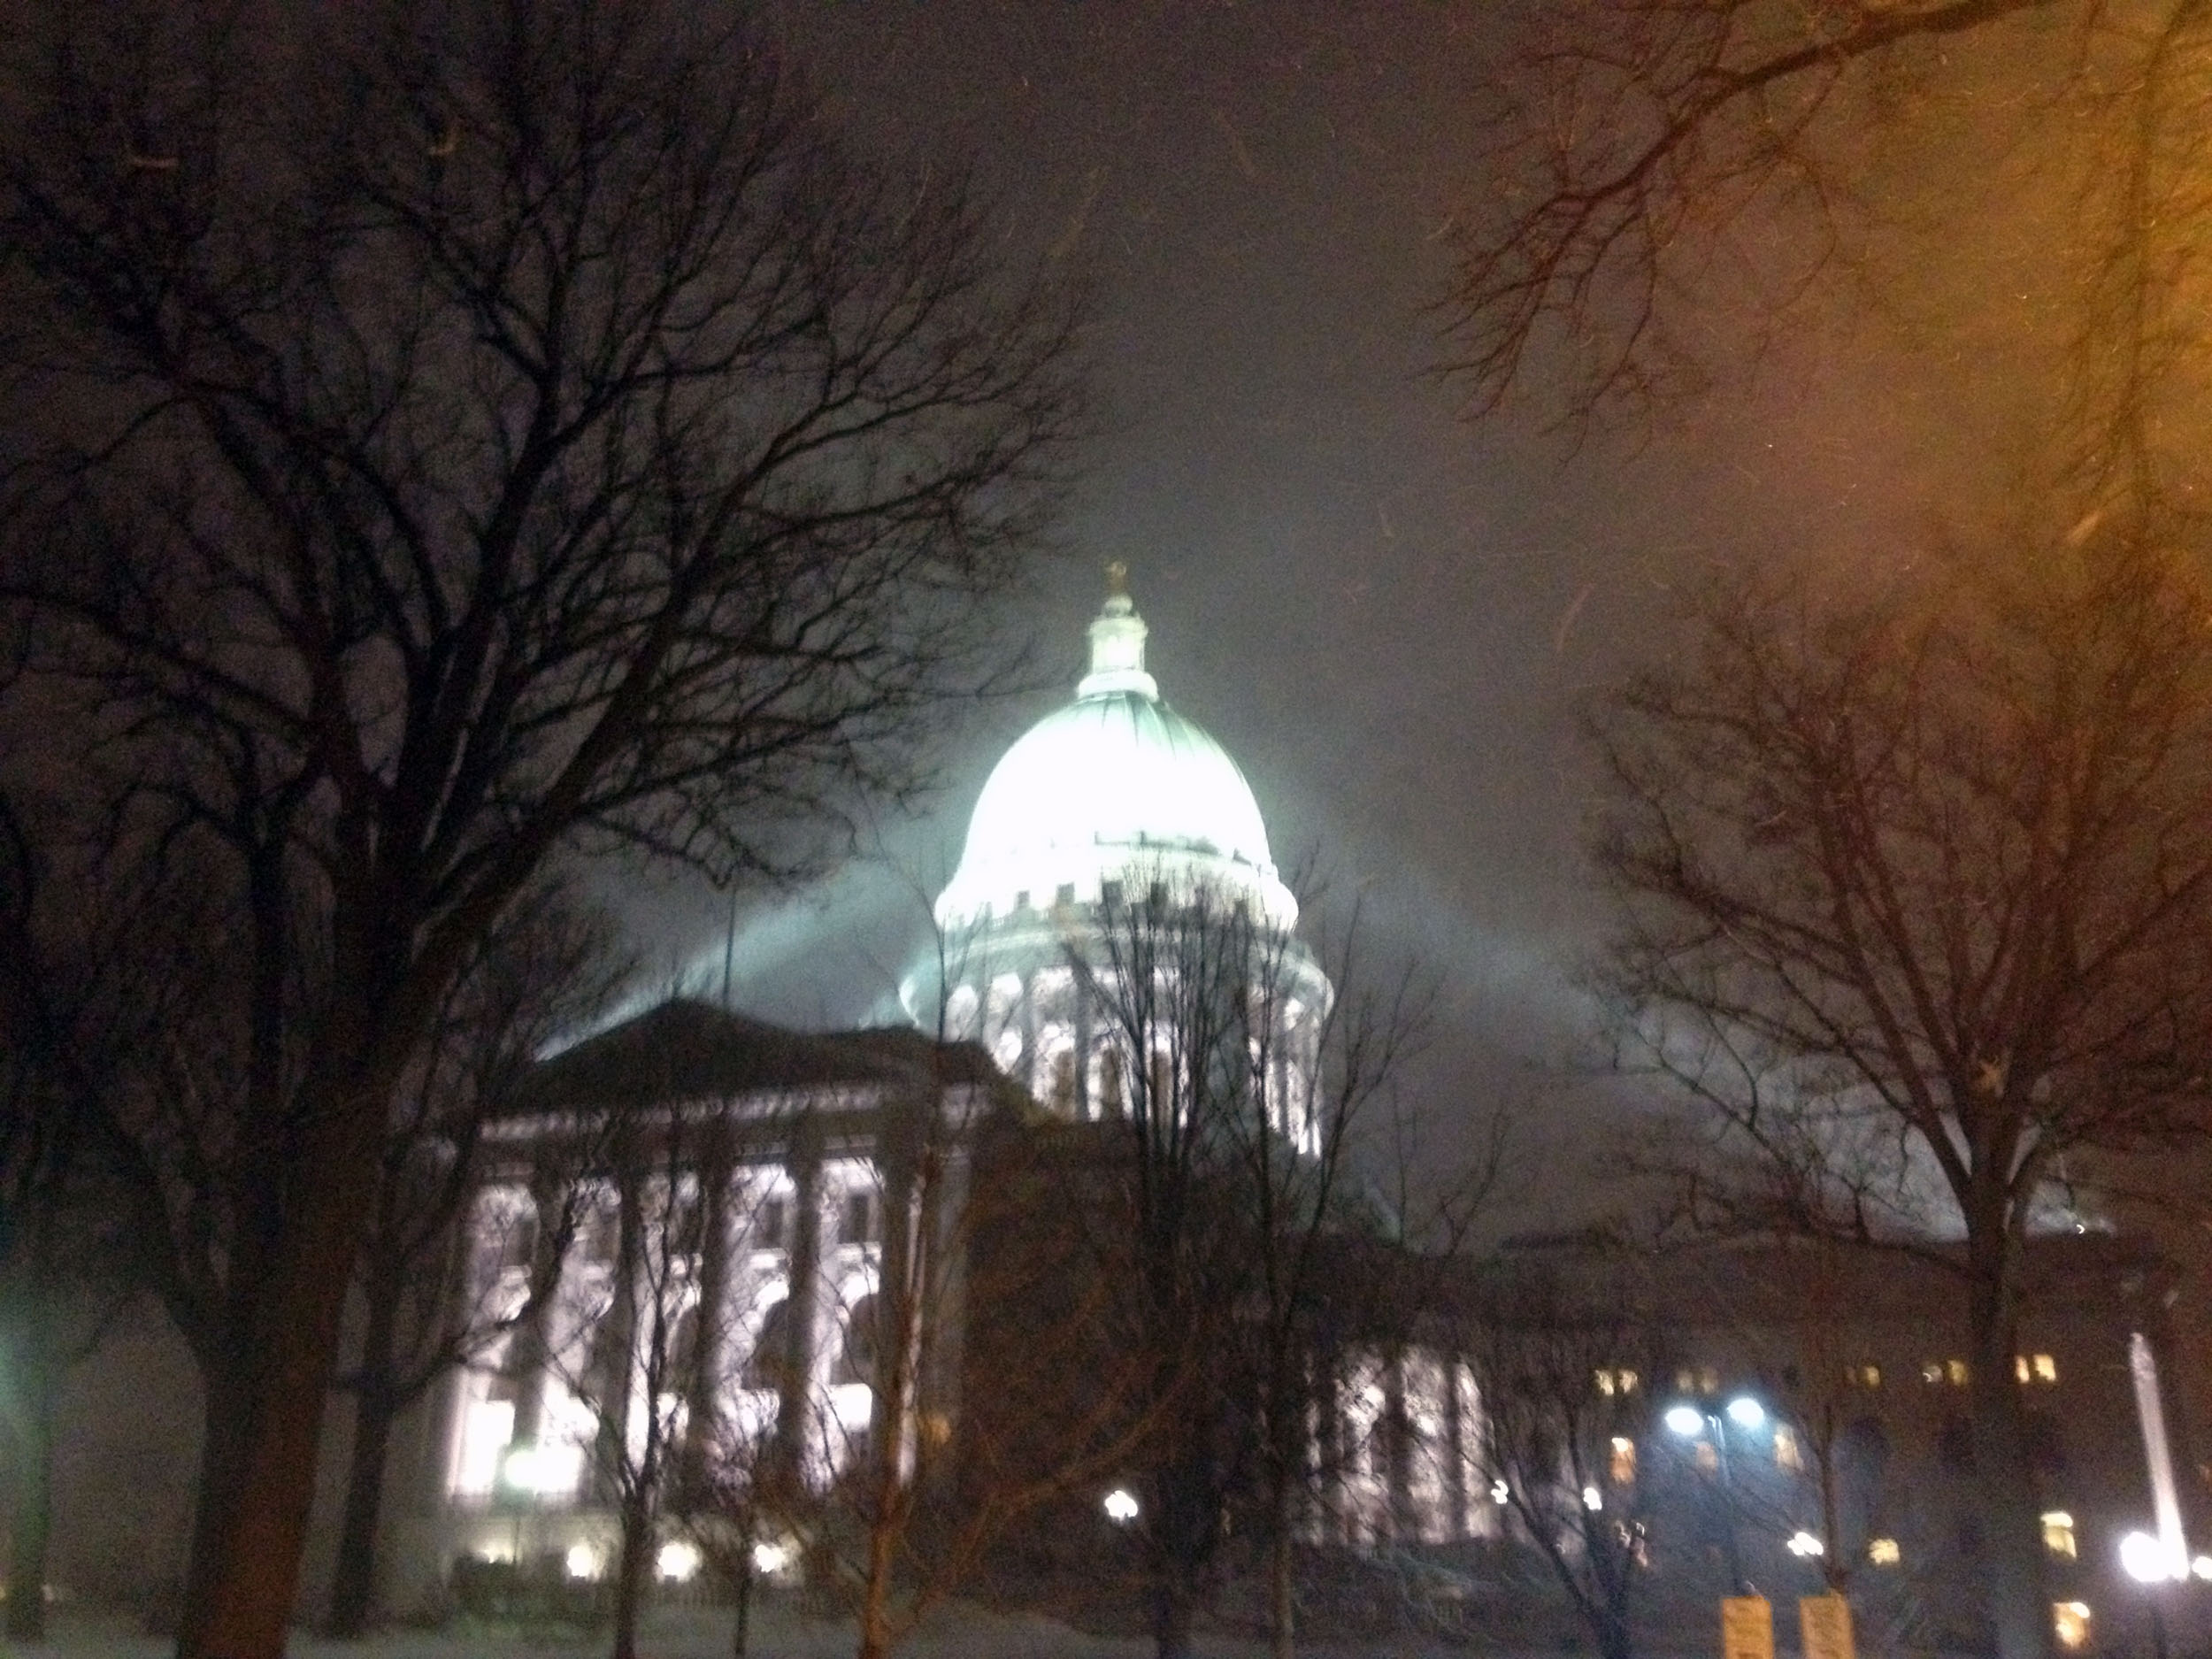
column 800, row 1153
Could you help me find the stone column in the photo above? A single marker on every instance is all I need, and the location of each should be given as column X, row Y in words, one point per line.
column 1397, row 1437
column 794, row 1409
column 702, row 1387
column 1455, row 1448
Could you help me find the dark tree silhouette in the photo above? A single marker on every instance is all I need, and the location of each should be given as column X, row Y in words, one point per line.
column 547, row 966
column 1254, row 1102
column 1568, row 1361
column 1915, row 896
column 1671, row 182
column 437, row 436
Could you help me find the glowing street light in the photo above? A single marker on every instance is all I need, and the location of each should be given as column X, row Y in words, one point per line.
column 2147, row 1560
column 2150, row 1563
column 1746, row 1413
column 1121, row 1506
column 1692, row 1422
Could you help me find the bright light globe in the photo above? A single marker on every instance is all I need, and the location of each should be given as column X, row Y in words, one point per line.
column 2144, row 1558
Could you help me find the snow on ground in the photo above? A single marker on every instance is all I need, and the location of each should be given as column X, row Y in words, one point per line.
column 777, row 1632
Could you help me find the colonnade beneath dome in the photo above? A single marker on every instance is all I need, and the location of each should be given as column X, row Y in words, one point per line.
column 1045, row 1014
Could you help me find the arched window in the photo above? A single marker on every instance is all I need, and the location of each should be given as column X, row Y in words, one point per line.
column 856, row 1364
column 772, row 1350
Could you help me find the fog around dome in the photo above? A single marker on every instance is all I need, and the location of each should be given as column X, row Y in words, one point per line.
column 1115, row 782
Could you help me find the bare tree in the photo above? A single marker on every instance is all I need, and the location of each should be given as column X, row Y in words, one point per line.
column 1171, row 975
column 967, row 1287
column 1673, row 180
column 1245, row 1093
column 633, row 1306
column 440, row 436
column 1323, row 1112
column 546, row 967
column 1913, row 902
column 1568, row 1360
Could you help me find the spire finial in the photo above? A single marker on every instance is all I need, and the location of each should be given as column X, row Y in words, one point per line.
column 1117, row 643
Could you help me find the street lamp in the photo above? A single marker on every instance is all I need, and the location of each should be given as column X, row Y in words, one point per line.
column 2147, row 1561
column 1690, row 1421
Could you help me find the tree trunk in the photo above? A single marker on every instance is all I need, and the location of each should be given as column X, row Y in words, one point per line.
column 353, row 1584
column 2004, row 1479
column 37, row 1386
column 266, row 1396
column 875, row 1604
column 1282, row 1605
column 741, row 1625
column 629, row 1572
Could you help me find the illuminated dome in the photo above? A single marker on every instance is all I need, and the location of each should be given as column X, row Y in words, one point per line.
column 1115, row 782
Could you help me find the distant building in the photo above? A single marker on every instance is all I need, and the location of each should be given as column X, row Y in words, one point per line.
column 1854, row 1364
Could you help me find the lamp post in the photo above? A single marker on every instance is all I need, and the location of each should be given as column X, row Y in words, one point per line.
column 2150, row 1563
column 1691, row 1422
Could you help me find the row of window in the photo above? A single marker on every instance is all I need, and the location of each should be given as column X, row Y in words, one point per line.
column 1705, row 1379
column 1953, row 1373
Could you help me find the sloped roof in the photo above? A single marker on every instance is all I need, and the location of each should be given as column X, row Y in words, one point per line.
column 684, row 1049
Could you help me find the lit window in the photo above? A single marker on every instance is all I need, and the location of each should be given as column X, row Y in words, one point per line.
column 1612, row 1382
column 2046, row 1369
column 1931, row 1371
column 2058, row 1533
column 1708, row 1457
column 1882, row 1552
column 1954, row 1372
column 1686, row 1382
column 1708, row 1381
column 2069, row 1620
column 1785, row 1452
column 2020, row 1367
column 1623, row 1463
column 1605, row 1383
column 1627, row 1380
column 1863, row 1376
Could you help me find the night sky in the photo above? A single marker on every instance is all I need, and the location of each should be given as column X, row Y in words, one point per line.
column 1386, row 614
